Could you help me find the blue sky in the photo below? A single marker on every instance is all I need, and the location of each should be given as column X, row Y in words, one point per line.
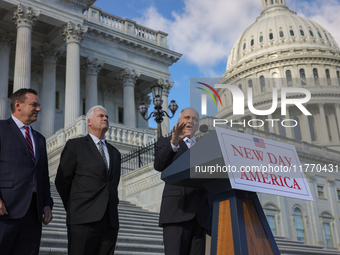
column 205, row 31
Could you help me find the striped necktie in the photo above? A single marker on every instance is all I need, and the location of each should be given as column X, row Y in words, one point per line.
column 101, row 151
column 29, row 142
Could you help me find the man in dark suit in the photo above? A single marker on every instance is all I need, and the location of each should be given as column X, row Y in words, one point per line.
column 184, row 213
column 87, row 181
column 25, row 198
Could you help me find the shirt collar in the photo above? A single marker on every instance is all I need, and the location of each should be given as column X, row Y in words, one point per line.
column 19, row 123
column 96, row 139
column 192, row 139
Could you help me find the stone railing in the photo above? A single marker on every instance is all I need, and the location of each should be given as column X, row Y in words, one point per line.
column 125, row 26
column 117, row 134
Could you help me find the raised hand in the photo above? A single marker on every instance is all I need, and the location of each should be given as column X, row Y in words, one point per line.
column 177, row 133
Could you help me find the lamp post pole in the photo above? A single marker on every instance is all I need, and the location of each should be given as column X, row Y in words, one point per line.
column 158, row 113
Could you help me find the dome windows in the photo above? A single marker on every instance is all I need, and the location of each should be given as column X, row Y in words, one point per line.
column 250, row 83
column 302, row 33
column 263, row 84
column 328, row 77
column 244, row 46
column 311, row 33
column 271, row 36
column 281, row 34
column 289, row 78
column 252, row 42
column 303, row 77
column 327, row 37
column 316, row 76
column 261, row 38
column 319, row 35
column 291, row 32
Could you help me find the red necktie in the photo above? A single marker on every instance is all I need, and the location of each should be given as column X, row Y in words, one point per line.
column 29, row 141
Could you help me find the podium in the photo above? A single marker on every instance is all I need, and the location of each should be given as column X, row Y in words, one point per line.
column 239, row 225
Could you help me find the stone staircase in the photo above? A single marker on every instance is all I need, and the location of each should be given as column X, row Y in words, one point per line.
column 139, row 233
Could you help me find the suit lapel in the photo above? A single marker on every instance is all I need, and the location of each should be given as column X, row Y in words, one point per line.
column 18, row 135
column 110, row 150
column 94, row 148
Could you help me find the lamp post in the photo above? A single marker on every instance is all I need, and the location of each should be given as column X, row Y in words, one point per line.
column 158, row 113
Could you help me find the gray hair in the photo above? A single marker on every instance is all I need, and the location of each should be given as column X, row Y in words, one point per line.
column 188, row 108
column 89, row 114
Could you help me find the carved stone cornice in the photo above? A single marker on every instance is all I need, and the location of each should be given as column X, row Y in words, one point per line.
column 107, row 91
column 25, row 16
column 330, row 181
column 128, row 76
column 73, row 32
column 93, row 66
column 6, row 40
column 50, row 52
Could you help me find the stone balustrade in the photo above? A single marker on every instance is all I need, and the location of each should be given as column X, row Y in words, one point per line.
column 116, row 134
column 125, row 26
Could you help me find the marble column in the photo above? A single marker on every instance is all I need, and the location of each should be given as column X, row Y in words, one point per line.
column 73, row 35
column 305, row 130
column 323, row 125
column 337, row 113
column 109, row 103
column 6, row 41
column 50, row 55
column 24, row 18
column 142, row 98
column 271, row 124
column 129, row 79
column 92, row 69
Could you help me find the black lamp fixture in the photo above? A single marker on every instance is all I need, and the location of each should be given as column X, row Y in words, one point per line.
column 158, row 113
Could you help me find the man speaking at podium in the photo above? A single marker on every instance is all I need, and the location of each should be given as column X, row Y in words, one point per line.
column 184, row 213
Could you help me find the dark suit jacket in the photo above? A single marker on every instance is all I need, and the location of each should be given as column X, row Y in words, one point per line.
column 179, row 203
column 83, row 184
column 18, row 171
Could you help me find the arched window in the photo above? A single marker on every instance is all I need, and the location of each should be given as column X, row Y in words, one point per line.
column 250, row 83
column 291, row 32
column 328, row 78
column 281, row 34
column 316, row 76
column 282, row 129
column 311, row 33
column 272, row 2
column 328, row 234
column 261, row 38
column 338, row 76
column 319, row 35
column 302, row 33
column 244, row 46
column 303, row 76
column 327, row 37
column 289, row 78
column 263, row 84
column 252, row 42
column 272, row 212
column 299, row 226
column 271, row 36
column 312, row 128
column 297, row 130
column 328, row 124
column 276, row 82
column 327, row 221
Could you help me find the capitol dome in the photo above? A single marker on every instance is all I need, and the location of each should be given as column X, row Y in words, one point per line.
column 279, row 28
column 282, row 49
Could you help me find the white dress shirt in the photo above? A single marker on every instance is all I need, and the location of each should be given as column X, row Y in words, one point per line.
column 106, row 152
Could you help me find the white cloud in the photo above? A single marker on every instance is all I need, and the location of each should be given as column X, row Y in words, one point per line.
column 205, row 31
